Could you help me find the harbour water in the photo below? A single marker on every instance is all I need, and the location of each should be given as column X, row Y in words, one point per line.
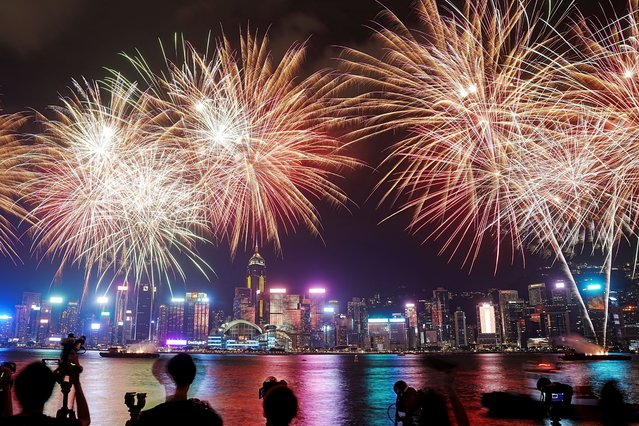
column 332, row 389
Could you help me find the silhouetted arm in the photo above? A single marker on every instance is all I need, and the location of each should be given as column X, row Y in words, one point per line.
column 81, row 403
column 6, row 408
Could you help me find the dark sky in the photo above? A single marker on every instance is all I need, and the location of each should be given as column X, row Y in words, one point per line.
column 44, row 44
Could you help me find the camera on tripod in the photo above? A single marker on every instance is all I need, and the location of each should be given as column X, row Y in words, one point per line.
column 69, row 364
column 134, row 407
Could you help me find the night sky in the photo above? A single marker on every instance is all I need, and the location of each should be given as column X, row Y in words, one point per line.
column 44, row 44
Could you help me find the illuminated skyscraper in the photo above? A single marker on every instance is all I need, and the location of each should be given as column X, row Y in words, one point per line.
column 488, row 334
column 70, row 321
column 242, row 306
column 537, row 294
column 196, row 317
column 255, row 280
column 410, row 312
column 21, row 322
column 144, row 312
column 441, row 314
column 461, row 339
column 175, row 323
column 358, row 314
column 506, row 296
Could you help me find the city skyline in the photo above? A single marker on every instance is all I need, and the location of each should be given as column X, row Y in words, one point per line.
column 357, row 253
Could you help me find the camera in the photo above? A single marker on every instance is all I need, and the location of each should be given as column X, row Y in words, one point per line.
column 133, row 406
column 270, row 383
column 4, row 377
column 69, row 364
column 554, row 393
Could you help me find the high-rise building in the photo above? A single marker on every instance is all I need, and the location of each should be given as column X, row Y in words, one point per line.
column 21, row 322
column 560, row 294
column 56, row 303
column 70, row 320
column 514, row 312
column 243, row 308
column 425, row 313
column 175, row 322
column 488, row 329
column 256, row 281
column 144, row 312
column 357, row 312
column 505, row 296
column 441, row 314
column 461, row 338
column 410, row 312
column 6, row 327
column 196, row 317
column 537, row 294
column 317, row 297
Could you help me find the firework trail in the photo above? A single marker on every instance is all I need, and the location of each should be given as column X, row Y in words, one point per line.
column 603, row 77
column 12, row 176
column 255, row 136
column 469, row 91
column 104, row 196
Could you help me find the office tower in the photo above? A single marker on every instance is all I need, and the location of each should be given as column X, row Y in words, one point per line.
column 488, row 331
column 255, row 281
column 105, row 335
column 425, row 312
column 317, row 297
column 441, row 314
column 277, row 306
column 144, row 312
column 242, row 307
column 163, row 326
column 21, row 322
column 537, row 294
column 196, row 317
column 461, row 338
column 56, row 303
column 410, row 312
column 398, row 332
column 514, row 312
column 175, row 320
column 555, row 321
column 70, row 320
column 6, row 327
column 44, row 323
column 560, row 294
column 31, row 299
column 504, row 297
column 357, row 312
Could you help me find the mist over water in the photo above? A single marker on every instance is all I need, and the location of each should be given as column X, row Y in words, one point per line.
column 332, row 389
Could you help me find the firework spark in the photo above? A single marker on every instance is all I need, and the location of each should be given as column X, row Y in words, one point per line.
column 104, row 197
column 255, row 137
column 12, row 176
column 470, row 92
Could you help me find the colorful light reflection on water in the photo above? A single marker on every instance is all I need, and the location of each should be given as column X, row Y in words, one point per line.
column 333, row 389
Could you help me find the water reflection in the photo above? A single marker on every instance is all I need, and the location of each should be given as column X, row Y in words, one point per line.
column 332, row 389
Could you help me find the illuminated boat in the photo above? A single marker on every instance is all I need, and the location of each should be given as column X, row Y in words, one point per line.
column 122, row 352
column 595, row 357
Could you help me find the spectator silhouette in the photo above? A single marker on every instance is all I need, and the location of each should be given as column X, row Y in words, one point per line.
column 33, row 387
column 612, row 406
column 178, row 409
column 280, row 406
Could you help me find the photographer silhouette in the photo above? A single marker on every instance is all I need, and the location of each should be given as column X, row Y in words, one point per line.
column 33, row 387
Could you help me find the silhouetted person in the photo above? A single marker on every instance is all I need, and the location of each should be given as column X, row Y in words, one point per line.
column 406, row 404
column 33, row 387
column 280, row 406
column 612, row 406
column 178, row 409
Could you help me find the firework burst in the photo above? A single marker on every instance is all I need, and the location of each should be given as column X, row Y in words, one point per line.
column 255, row 135
column 12, row 176
column 103, row 196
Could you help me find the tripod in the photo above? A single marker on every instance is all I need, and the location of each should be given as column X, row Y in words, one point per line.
column 65, row 412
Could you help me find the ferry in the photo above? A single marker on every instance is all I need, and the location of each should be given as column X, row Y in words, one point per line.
column 122, row 352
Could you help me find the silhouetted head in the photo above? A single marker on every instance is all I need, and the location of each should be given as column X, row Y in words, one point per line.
column 543, row 382
column 434, row 408
column 34, row 386
column 182, row 369
column 399, row 387
column 280, row 405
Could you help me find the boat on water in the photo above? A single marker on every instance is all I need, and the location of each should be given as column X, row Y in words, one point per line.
column 595, row 357
column 123, row 352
